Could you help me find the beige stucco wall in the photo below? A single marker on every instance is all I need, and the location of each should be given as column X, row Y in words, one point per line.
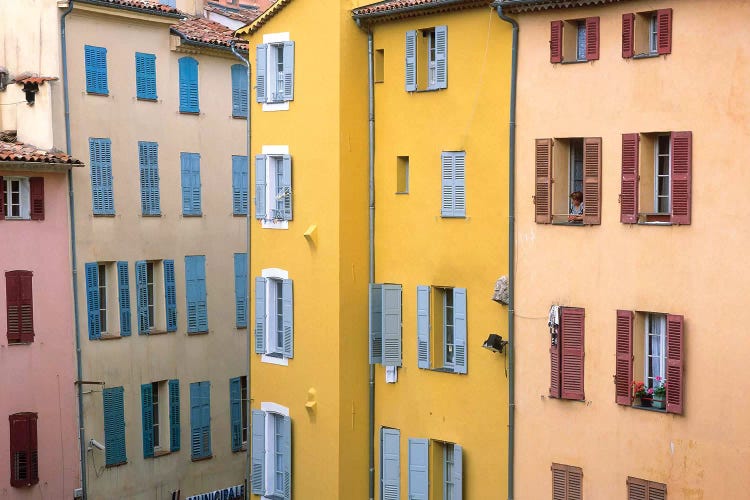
column 694, row 270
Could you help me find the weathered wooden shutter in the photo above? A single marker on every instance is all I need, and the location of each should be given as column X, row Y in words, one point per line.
column 567, row 482
column 235, row 412
column 141, row 293
column 572, row 346
column 390, row 464
column 114, row 426
column 459, row 330
column 239, row 185
column 200, row 419
column 555, row 42
column 92, row 300
column 682, row 160
column 260, row 315
column 174, row 415
column 624, row 358
column 239, row 91
column 287, row 300
column 419, row 479
column 411, row 61
column 260, row 186
column 240, row 289
column 123, row 297
column 376, row 323
column 191, row 183
column 148, row 159
column 629, row 184
column 592, row 180
column 640, row 489
column 24, row 455
column 261, row 62
column 258, row 460
column 628, row 23
column 675, row 360
column 26, row 306
column 36, row 198
column 145, row 75
column 391, row 325
column 555, row 372
column 288, row 71
column 441, row 57
column 188, row 85
column 543, row 186
column 170, row 295
column 423, row 326
column 664, row 31
column 147, row 419
column 592, row 38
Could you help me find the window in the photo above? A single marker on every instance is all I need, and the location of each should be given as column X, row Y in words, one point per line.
column 240, row 289
column 390, row 464
column 402, row 175
column 22, row 198
column 188, row 85
column 441, row 328
column 567, row 325
column 274, row 316
column 453, row 199
column 20, row 307
column 238, row 412
column 200, row 420
column 114, row 426
column 379, row 66
column 272, row 452
column 160, row 410
column 427, row 59
column 95, row 59
column 24, row 455
column 145, row 76
column 100, row 154
column 652, row 344
column 660, row 190
column 148, row 160
column 385, row 324
column 273, row 187
column 191, row 183
column 148, row 278
column 100, row 308
column 239, row 91
column 567, row 482
column 444, row 478
column 275, row 70
column 195, row 283
column 647, row 34
column 563, row 167
column 640, row 489
column 575, row 40
column 239, row 185
column 102, row 294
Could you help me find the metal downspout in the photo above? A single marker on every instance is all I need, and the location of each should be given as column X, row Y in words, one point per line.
column 73, row 255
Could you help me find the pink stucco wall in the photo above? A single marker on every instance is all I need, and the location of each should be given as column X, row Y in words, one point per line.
column 39, row 377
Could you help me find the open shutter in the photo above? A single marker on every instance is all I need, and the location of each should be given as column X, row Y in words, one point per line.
column 240, row 289
column 555, row 372
column 592, row 38
column 458, row 472
column 682, row 160
column 572, row 343
column 629, row 185
column 123, row 297
column 664, row 31
column 2, row 198
column 675, row 357
column 141, row 292
column 288, row 71
column 419, row 480
column 260, row 315
column 390, row 464
column 191, row 183
column 239, row 185
column 555, row 42
column 260, row 186
column 624, row 358
column 36, row 197
column 447, row 208
column 287, row 299
column 92, row 300
column 170, row 295
column 258, row 460
column 411, row 61
column 628, row 23
column 196, row 444
column 286, row 185
column 441, row 57
column 286, row 454
column 147, row 413
column 392, row 325
column 206, row 418
column 459, row 329
column 174, row 415
column 423, row 326
column 592, row 180
column 239, row 91
column 376, row 323
column 261, row 55
column 543, row 185
column 459, row 184
column 235, row 412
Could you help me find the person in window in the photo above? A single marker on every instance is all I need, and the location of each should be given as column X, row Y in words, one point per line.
column 576, row 207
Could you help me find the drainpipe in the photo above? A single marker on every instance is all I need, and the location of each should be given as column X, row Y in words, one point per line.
column 248, row 451
column 73, row 255
column 511, row 249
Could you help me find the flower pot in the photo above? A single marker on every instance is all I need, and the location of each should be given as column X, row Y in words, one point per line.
column 659, row 402
column 645, row 402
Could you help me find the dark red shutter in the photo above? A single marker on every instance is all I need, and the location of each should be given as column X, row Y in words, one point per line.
column 624, row 361
column 628, row 21
column 555, row 42
column 27, row 307
column 543, row 191
column 675, row 356
column 682, row 162
column 637, row 489
column 592, row 38
column 36, row 196
column 559, row 482
column 24, row 461
column 554, row 366
column 629, row 186
column 657, row 491
column 592, row 180
column 571, row 344
column 13, row 305
column 2, row 198
column 664, row 31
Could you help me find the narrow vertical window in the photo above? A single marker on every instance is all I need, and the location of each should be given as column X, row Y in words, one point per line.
column 653, row 30
column 575, row 171
column 24, row 455
column 448, row 472
column 188, row 85
column 145, row 76
column 581, row 41
column 239, row 91
column 95, row 59
column 148, row 160
column 150, row 292
column 655, row 350
column 379, row 66
column 431, row 59
column 402, row 175
column 279, row 197
column 278, row 314
column 155, row 405
column 448, row 338
column 278, row 452
column 103, row 297
column 243, row 392
column 278, row 90
column 662, row 175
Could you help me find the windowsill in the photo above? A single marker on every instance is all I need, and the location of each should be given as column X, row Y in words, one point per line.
column 239, row 215
column 574, row 62
column 649, row 408
column 150, row 215
column 104, row 215
column 240, row 328
column 239, row 117
column 98, row 93
column 274, row 360
column 108, row 466
column 20, row 343
column 419, row 91
column 204, row 332
column 645, row 56
column 241, row 449
column 574, row 223
column 157, row 332
column 453, row 217
column 161, row 453
column 192, row 215
column 111, row 336
column 147, row 99
column 654, row 219
column 402, row 192
column 16, row 218
column 201, row 458
column 194, row 113
column 274, row 224
column 379, row 81
column 276, row 106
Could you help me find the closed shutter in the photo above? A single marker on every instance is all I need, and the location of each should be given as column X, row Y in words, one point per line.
column 629, row 185
column 675, row 360
column 100, row 155
column 174, row 415
column 235, row 412
column 419, row 469
column 145, row 75
column 195, row 281
column 26, row 303
column 543, row 184
column 555, row 42
column 141, row 293
column 170, row 295
column 390, row 464
column 239, row 185
column 258, row 459
column 682, row 162
column 240, row 289
column 288, row 71
column 664, row 31
column 13, row 305
column 260, row 315
column 592, row 180
column 286, row 185
column 423, row 326
column 376, row 323
column 628, row 22
column 459, row 184
column 572, row 343
column 260, row 186
column 96, row 69
column 261, row 57
column 188, row 85
column 191, row 183
column 286, row 455
column 114, row 426
column 624, row 358
column 123, row 298
column 147, row 414
column 392, row 325
column 459, row 330
column 567, row 482
column 441, row 57
column 239, row 91
column 592, row 38
column 92, row 300
column 200, row 420
column 24, row 455
column 36, row 197
column 411, row 61
column 446, row 162
column 575, row 483
column 640, row 489
column 148, row 158
column 287, row 299
column 458, row 472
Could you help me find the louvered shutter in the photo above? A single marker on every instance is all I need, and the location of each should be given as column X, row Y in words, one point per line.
column 36, row 197
column 191, row 183
column 147, row 419
column 114, row 426
column 592, row 180
column 680, row 178
column 200, row 419
column 624, row 358
column 592, row 38
column 411, row 61
column 174, row 415
column 288, row 71
column 261, row 62
column 2, row 198
column 287, row 299
column 145, row 75
column 459, row 184
column 628, row 23
column 391, row 325
column 100, row 155
column 148, row 159
column 419, row 469
column 239, row 185
column 376, row 323
column 572, row 347
column 170, row 295
column 555, row 372
column 657, row 491
column 260, row 186
column 629, row 185
column 559, row 482
column 423, row 326
column 459, row 330
column 24, row 449
column 286, row 454
column 575, row 483
column 543, row 185
column 188, row 85
column 123, row 297
column 664, row 31
column 26, row 302
column 206, row 418
column 240, row 289
column 13, row 305
column 92, row 300
column 675, row 357
column 141, row 293
column 640, row 489
column 555, row 42
column 260, row 315
column 458, row 472
column 96, row 69
column 235, row 412
column 390, row 464
column 258, row 460
column 441, row 57
column 447, row 208
column 239, row 91
column 286, row 185
column 195, row 279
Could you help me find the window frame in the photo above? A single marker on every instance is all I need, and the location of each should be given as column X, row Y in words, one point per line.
column 273, row 355
column 102, row 286
column 162, row 297
column 567, row 353
column 275, row 417
column 429, row 461
column 23, row 449
column 267, row 193
column 432, row 332
column 270, row 100
column 426, row 54
column 24, row 197
column 650, row 319
column 19, row 333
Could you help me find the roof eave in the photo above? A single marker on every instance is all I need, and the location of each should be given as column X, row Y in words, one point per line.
column 423, row 9
column 161, row 13
column 37, row 166
column 215, row 46
column 519, row 6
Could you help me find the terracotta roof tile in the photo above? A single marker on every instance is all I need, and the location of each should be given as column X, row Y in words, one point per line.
column 150, row 6
column 243, row 15
column 20, row 152
column 202, row 30
column 271, row 11
column 35, row 79
column 389, row 8
column 537, row 5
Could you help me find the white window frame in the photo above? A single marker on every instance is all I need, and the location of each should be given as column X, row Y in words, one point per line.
column 650, row 319
column 448, row 468
column 272, row 412
column 272, row 151
column 272, row 39
column 24, row 202
column 653, row 31
column 446, row 293
column 272, row 275
column 668, row 155
column 151, row 292
column 572, row 143
column 581, row 29
column 431, row 59
column 102, row 285
column 156, row 403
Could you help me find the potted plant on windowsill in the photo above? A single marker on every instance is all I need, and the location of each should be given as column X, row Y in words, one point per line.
column 660, row 392
column 643, row 393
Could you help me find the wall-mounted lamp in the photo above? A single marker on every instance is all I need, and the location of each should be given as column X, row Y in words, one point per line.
column 495, row 343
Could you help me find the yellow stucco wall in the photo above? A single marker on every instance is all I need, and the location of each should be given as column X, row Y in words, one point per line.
column 697, row 271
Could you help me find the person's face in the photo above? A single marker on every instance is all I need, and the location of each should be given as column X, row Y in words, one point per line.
column 575, row 202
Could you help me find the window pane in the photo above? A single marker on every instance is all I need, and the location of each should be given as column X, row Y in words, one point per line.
column 150, row 292
column 581, row 49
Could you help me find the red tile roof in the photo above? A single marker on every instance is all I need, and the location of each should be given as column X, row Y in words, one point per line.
column 243, row 14
column 148, row 6
column 19, row 152
column 399, row 8
column 274, row 9
column 204, row 31
column 537, row 5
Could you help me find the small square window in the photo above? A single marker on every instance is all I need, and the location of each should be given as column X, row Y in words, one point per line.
column 402, row 175
column 379, row 66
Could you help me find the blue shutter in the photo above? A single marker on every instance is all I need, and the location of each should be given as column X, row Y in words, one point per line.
column 200, row 419
column 96, row 69
column 411, row 61
column 392, row 325
column 286, row 455
column 235, row 412
column 92, row 300
column 261, row 58
column 288, row 71
column 287, row 299
column 239, row 185
column 286, row 185
column 260, row 315
column 148, row 159
column 239, row 90
column 114, row 426
column 446, row 161
column 170, row 295
column 459, row 329
column 174, row 415
column 458, row 473
column 141, row 293
column 260, row 186
column 123, row 289
column 147, row 413
column 195, row 281
column 459, row 184
column 145, row 75
column 423, row 326
column 100, row 155
column 240, row 289
column 191, row 183
column 376, row 323
column 258, row 460
column 390, row 464
column 441, row 57
column 419, row 469
column 188, row 85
